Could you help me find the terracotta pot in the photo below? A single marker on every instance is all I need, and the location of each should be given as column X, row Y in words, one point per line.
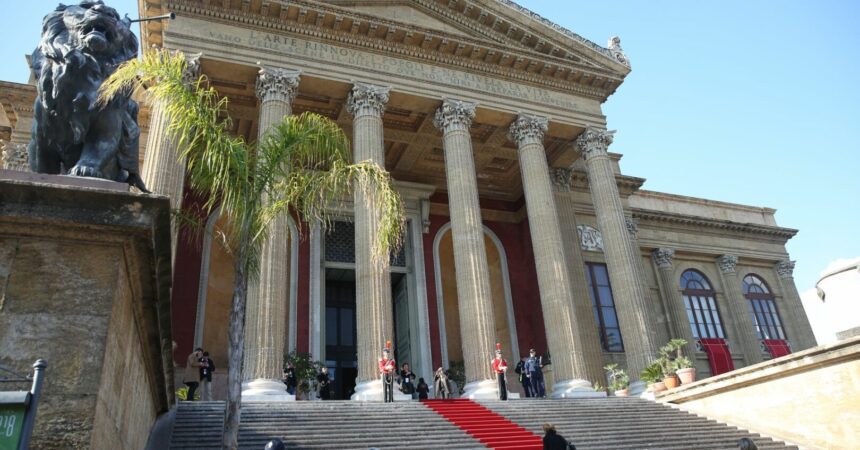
column 659, row 386
column 671, row 382
column 621, row 393
column 687, row 375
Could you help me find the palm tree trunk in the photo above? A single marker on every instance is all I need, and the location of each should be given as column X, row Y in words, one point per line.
column 236, row 349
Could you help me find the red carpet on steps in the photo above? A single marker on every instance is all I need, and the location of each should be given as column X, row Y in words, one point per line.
column 491, row 429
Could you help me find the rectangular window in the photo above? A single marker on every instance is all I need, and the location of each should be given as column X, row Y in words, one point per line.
column 600, row 291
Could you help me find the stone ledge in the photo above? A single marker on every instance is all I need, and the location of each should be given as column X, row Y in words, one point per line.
column 785, row 366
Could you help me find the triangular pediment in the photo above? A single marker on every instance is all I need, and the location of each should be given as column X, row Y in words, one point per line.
column 502, row 22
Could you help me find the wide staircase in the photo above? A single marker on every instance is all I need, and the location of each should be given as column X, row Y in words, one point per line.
column 608, row 423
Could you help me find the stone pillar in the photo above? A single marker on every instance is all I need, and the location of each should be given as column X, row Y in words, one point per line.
column 588, row 332
column 268, row 296
column 373, row 317
column 163, row 166
column 671, row 289
column 739, row 310
column 640, row 345
column 477, row 327
column 561, row 326
column 799, row 331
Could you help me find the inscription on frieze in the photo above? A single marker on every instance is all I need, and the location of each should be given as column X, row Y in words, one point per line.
column 289, row 45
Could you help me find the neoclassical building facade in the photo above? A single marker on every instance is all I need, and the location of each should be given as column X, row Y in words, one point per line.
column 521, row 227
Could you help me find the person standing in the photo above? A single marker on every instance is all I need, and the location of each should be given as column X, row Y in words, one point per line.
column 441, row 385
column 534, row 372
column 324, row 383
column 386, row 370
column 524, row 380
column 422, row 389
column 407, row 381
column 207, row 368
column 191, row 377
column 290, row 378
column 500, row 366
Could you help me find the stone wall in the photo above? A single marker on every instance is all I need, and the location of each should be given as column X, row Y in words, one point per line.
column 84, row 282
column 811, row 398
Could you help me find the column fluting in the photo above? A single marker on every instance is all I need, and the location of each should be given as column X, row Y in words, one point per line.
column 799, row 333
column 587, row 331
column 560, row 322
column 366, row 103
column 474, row 298
column 268, row 297
column 664, row 259
column 640, row 344
column 747, row 340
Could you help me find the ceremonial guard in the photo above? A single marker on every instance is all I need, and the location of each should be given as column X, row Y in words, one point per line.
column 387, row 369
column 500, row 366
column 534, row 373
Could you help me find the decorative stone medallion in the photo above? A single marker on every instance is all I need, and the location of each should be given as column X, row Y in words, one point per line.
column 590, row 238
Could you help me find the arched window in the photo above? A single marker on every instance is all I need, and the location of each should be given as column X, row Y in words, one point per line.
column 763, row 308
column 701, row 303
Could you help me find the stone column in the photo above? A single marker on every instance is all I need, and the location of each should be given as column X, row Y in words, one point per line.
column 163, row 166
column 373, row 316
column 799, row 331
column 268, row 296
column 588, row 332
column 474, row 298
column 746, row 338
column 671, row 289
column 561, row 327
column 640, row 345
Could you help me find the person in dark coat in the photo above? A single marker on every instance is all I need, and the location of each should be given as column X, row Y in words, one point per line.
column 290, row 379
column 324, row 384
column 524, row 380
column 422, row 389
column 554, row 441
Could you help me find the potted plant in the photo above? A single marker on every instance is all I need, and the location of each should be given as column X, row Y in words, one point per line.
column 306, row 372
column 667, row 367
column 618, row 380
column 653, row 375
column 685, row 370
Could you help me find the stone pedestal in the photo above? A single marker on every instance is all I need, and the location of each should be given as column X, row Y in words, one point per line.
column 85, row 285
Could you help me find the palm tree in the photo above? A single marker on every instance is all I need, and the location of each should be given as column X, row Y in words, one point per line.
column 301, row 166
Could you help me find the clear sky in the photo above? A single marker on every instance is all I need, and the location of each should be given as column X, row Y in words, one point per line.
column 753, row 102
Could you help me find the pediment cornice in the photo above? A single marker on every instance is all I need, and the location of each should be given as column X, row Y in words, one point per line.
column 339, row 24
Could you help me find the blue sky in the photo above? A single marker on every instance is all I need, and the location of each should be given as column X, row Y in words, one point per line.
column 753, row 102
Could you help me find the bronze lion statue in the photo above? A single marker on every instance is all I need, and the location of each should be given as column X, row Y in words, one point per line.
column 72, row 132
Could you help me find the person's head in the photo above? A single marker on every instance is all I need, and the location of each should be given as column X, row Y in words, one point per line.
column 405, row 366
column 205, row 354
column 532, row 352
column 421, row 380
column 747, row 444
column 198, row 351
column 548, row 428
column 275, row 444
column 324, row 369
column 289, row 365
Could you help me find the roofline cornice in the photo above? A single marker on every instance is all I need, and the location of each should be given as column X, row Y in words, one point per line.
column 647, row 215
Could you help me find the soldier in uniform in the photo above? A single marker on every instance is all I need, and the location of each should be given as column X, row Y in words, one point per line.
column 534, row 372
column 500, row 366
column 387, row 369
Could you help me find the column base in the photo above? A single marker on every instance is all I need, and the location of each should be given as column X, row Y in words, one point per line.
column 485, row 390
column 263, row 390
column 575, row 389
column 371, row 391
column 637, row 388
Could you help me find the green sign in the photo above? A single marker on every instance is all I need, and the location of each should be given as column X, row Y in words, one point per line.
column 11, row 421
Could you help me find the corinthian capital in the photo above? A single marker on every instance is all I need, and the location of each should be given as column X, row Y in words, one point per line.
column 784, row 268
column 727, row 263
column 528, row 128
column 663, row 257
column 593, row 142
column 192, row 68
column 632, row 227
column 367, row 99
column 16, row 157
column 560, row 179
column 277, row 84
column 454, row 113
